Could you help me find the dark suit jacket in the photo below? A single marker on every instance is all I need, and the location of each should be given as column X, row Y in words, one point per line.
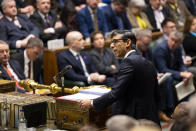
column 102, row 66
column 189, row 44
column 76, row 73
column 85, row 22
column 151, row 16
column 136, row 91
column 190, row 5
column 111, row 18
column 164, row 62
column 10, row 33
column 17, row 69
column 37, row 65
column 39, row 22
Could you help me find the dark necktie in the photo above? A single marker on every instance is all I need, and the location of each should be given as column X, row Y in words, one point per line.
column 120, row 22
column 95, row 21
column 47, row 21
column 78, row 59
column 29, row 72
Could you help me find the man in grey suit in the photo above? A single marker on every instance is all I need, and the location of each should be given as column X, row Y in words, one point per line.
column 135, row 92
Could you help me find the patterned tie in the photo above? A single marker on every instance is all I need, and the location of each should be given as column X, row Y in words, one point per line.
column 95, row 21
column 11, row 76
column 47, row 21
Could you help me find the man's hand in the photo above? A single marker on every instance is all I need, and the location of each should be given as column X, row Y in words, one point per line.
column 85, row 104
column 58, row 24
column 186, row 77
column 159, row 75
column 188, row 61
column 101, row 78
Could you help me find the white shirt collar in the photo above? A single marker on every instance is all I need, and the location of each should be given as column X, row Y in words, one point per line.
column 10, row 19
column 73, row 52
column 42, row 15
column 26, row 59
column 129, row 53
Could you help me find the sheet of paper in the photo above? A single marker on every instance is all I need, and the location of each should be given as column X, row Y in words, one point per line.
column 55, row 44
column 183, row 91
column 164, row 77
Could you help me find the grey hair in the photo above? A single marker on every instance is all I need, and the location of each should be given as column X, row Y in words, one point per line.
column 32, row 42
column 3, row 42
column 120, row 123
column 4, row 3
column 143, row 32
column 71, row 36
column 177, row 34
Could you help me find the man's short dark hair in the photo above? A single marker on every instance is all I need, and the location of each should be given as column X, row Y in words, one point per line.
column 126, row 34
column 123, row 2
column 165, row 21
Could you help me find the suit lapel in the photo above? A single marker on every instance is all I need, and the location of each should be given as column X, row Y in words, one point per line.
column 4, row 73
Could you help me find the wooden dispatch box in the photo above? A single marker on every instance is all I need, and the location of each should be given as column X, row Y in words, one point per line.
column 71, row 117
column 7, row 86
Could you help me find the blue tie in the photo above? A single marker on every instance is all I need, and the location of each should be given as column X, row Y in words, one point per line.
column 78, row 59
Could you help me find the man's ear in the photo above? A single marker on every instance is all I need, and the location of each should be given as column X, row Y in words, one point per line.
column 128, row 43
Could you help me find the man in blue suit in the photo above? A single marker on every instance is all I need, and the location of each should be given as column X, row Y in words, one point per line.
column 91, row 19
column 10, row 69
column 16, row 29
column 83, row 68
column 136, row 91
column 167, row 57
column 116, row 16
column 191, row 5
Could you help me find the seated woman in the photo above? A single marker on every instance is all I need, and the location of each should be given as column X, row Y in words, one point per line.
column 103, row 58
column 189, row 42
column 137, row 18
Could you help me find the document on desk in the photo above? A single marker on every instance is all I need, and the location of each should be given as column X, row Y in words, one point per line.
column 164, row 77
column 183, row 91
column 91, row 93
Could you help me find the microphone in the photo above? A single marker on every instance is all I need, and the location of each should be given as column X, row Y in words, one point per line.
column 64, row 70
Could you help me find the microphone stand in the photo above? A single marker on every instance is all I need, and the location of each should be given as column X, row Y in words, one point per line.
column 62, row 84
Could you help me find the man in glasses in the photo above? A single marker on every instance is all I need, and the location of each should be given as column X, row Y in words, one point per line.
column 135, row 92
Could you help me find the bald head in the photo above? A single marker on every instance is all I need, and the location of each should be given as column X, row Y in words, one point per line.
column 75, row 40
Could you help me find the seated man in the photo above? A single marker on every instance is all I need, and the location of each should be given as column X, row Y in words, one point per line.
column 90, row 19
column 47, row 21
column 83, row 68
column 16, row 29
column 10, row 69
column 167, row 57
column 103, row 58
column 30, row 59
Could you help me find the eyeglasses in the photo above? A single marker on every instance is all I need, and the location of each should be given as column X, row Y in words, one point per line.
column 114, row 41
column 6, row 51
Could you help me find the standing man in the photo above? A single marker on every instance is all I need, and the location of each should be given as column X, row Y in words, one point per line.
column 10, row 69
column 135, row 93
column 47, row 21
column 30, row 59
column 91, row 19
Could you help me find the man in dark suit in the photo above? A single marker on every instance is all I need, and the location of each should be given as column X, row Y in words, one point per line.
column 16, row 29
column 116, row 16
column 136, row 92
column 30, row 60
column 90, row 19
column 10, row 69
column 83, row 68
column 156, row 14
column 167, row 57
column 191, row 5
column 47, row 21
